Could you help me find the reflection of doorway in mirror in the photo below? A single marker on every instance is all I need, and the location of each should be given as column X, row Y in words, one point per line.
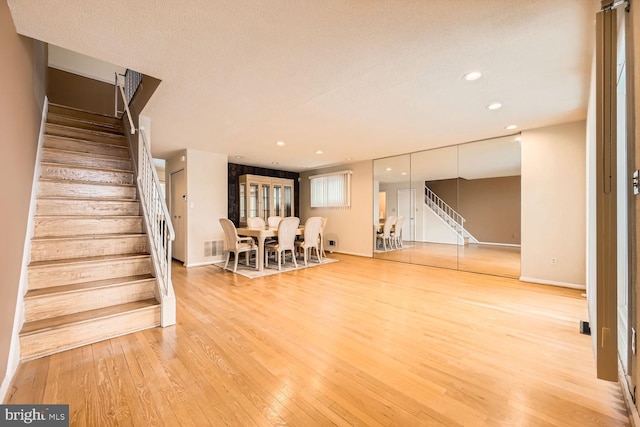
column 382, row 205
column 405, row 209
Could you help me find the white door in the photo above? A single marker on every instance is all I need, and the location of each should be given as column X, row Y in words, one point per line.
column 405, row 208
column 178, row 213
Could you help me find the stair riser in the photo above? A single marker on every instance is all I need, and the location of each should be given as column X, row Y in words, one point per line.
column 63, row 172
column 84, row 115
column 85, row 135
column 56, row 227
column 82, row 207
column 76, row 335
column 58, row 275
column 71, row 189
column 84, row 124
column 55, row 305
column 86, row 147
column 49, row 250
column 80, row 159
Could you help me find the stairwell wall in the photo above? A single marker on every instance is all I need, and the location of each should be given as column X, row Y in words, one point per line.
column 23, row 87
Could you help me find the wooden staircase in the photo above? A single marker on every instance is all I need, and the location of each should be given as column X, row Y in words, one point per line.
column 90, row 273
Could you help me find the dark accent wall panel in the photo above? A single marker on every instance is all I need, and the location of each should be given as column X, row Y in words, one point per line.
column 235, row 171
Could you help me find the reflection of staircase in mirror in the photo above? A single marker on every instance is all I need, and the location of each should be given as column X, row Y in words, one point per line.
column 451, row 219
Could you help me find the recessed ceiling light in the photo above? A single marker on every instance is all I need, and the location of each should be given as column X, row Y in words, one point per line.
column 239, row 157
column 348, row 159
column 388, row 169
column 404, row 173
column 494, row 106
column 280, row 143
column 275, row 163
column 472, row 75
column 518, row 138
column 511, row 127
column 319, row 152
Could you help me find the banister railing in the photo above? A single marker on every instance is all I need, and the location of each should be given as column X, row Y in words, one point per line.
column 159, row 227
column 444, row 211
column 158, row 222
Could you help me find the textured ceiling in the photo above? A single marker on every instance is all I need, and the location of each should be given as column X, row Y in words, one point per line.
column 356, row 79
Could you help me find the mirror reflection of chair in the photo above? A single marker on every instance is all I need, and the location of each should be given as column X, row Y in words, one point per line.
column 396, row 232
column 311, row 238
column 273, row 221
column 384, row 236
column 237, row 244
column 287, row 229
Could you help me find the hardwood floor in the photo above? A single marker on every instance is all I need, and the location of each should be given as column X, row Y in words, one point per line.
column 487, row 259
column 357, row 342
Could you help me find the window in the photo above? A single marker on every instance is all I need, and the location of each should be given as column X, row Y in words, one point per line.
column 331, row 190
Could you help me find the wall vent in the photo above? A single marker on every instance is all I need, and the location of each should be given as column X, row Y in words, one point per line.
column 214, row 248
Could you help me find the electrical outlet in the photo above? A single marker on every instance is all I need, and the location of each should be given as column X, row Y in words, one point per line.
column 554, row 261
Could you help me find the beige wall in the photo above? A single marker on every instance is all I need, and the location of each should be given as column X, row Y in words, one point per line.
column 80, row 92
column 206, row 175
column 554, row 205
column 22, row 86
column 351, row 228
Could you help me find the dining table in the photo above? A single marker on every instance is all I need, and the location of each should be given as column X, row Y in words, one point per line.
column 261, row 234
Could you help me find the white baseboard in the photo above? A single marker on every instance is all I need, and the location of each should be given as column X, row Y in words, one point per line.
column 511, row 245
column 552, row 283
column 200, row 264
column 18, row 320
column 369, row 255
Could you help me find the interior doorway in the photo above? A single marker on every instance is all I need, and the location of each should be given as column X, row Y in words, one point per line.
column 178, row 207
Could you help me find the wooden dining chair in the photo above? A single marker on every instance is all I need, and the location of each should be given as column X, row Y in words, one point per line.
column 255, row 222
column 322, row 227
column 311, row 238
column 273, row 221
column 287, row 229
column 237, row 244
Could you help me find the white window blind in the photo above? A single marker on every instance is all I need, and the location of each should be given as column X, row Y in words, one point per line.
column 331, row 190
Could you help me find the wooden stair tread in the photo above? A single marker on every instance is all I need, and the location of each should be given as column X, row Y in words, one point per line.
column 35, row 293
column 109, row 135
column 85, row 316
column 82, row 153
column 53, row 117
column 105, row 217
column 68, row 181
column 70, row 138
column 87, row 199
column 88, row 259
column 91, row 236
column 94, row 168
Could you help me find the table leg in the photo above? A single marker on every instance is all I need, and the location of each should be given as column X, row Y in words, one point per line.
column 260, row 260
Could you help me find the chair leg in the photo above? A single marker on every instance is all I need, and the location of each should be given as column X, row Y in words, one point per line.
column 257, row 263
column 227, row 263
column 304, row 250
column 318, row 253
column 235, row 266
column 279, row 255
column 293, row 257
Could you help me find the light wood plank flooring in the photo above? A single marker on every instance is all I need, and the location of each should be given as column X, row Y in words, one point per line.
column 487, row 259
column 357, row 342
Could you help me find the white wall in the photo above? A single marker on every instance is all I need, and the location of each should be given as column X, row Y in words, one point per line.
column 206, row 201
column 73, row 62
column 435, row 230
column 352, row 228
column 554, row 205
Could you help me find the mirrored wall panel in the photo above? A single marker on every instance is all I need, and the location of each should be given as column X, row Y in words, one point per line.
column 393, row 208
column 457, row 207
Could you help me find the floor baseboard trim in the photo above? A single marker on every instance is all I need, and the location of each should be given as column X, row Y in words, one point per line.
column 552, row 283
